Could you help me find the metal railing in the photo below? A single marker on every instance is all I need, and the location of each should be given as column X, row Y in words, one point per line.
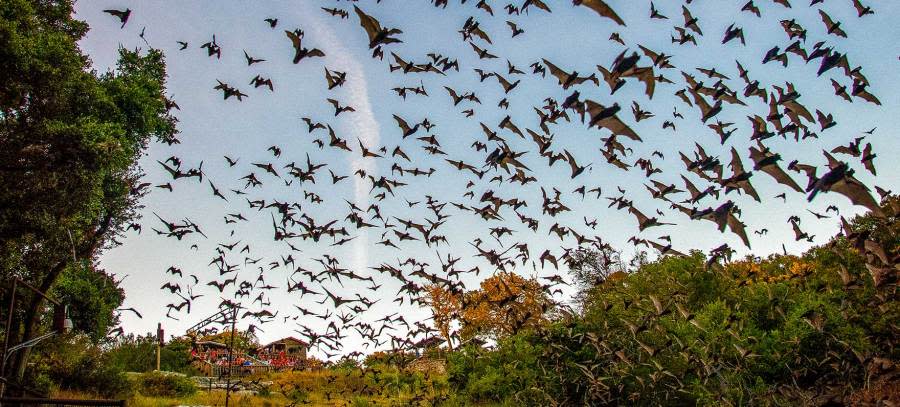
column 213, row 370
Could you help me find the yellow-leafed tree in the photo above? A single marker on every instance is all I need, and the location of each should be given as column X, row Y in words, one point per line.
column 505, row 304
column 445, row 307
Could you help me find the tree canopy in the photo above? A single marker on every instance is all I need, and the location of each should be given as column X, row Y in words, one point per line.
column 505, row 304
column 93, row 296
column 243, row 340
column 70, row 139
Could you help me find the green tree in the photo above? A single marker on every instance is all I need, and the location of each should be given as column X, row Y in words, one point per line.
column 133, row 353
column 589, row 268
column 243, row 340
column 92, row 296
column 176, row 356
column 445, row 309
column 137, row 353
column 74, row 362
column 70, row 138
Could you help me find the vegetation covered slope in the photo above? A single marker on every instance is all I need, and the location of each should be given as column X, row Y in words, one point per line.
column 809, row 329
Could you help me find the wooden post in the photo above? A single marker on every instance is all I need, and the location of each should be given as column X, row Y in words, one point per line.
column 160, row 337
column 9, row 321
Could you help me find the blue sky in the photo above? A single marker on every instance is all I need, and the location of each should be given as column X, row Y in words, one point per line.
column 573, row 38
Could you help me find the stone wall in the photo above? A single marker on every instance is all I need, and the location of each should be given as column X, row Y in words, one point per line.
column 428, row 365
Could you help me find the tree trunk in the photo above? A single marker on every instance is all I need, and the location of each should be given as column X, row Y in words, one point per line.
column 30, row 321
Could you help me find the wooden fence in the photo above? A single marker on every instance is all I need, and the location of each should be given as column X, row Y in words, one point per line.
column 25, row 401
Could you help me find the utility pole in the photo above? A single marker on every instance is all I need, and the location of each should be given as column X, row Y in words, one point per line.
column 215, row 318
column 230, row 356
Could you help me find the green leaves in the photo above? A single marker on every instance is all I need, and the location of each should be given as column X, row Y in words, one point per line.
column 92, row 296
column 676, row 331
column 70, row 141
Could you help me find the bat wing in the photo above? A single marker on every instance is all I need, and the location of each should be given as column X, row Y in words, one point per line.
column 867, row 96
column 782, row 177
column 692, row 189
column 571, row 160
column 402, row 123
column 541, row 5
column 555, row 71
column 617, row 126
column 368, row 23
column 452, row 92
column 294, row 38
column 173, row 172
column 826, row 19
column 604, row 10
column 649, row 53
column 738, row 228
column 646, row 75
column 683, row 209
column 736, row 165
column 687, row 14
column 641, row 218
column 478, row 32
column 799, row 110
column 857, row 192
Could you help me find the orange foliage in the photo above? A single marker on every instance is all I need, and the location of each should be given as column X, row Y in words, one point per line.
column 773, row 270
column 445, row 307
column 505, row 304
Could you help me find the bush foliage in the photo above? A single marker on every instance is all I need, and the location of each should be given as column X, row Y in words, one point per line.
column 72, row 363
column 787, row 330
column 158, row 384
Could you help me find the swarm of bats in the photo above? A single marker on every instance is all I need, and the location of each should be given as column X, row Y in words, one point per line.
column 518, row 151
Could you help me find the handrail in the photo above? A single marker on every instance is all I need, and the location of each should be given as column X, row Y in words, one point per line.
column 27, row 344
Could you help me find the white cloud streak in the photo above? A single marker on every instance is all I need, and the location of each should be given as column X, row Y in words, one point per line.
column 362, row 122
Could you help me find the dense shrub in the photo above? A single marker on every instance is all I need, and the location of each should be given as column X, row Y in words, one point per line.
column 92, row 375
column 377, row 381
column 74, row 363
column 788, row 330
column 345, row 364
column 390, row 358
column 158, row 384
column 132, row 353
column 494, row 375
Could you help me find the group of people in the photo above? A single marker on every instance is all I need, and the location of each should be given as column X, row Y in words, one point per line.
column 278, row 359
column 219, row 357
